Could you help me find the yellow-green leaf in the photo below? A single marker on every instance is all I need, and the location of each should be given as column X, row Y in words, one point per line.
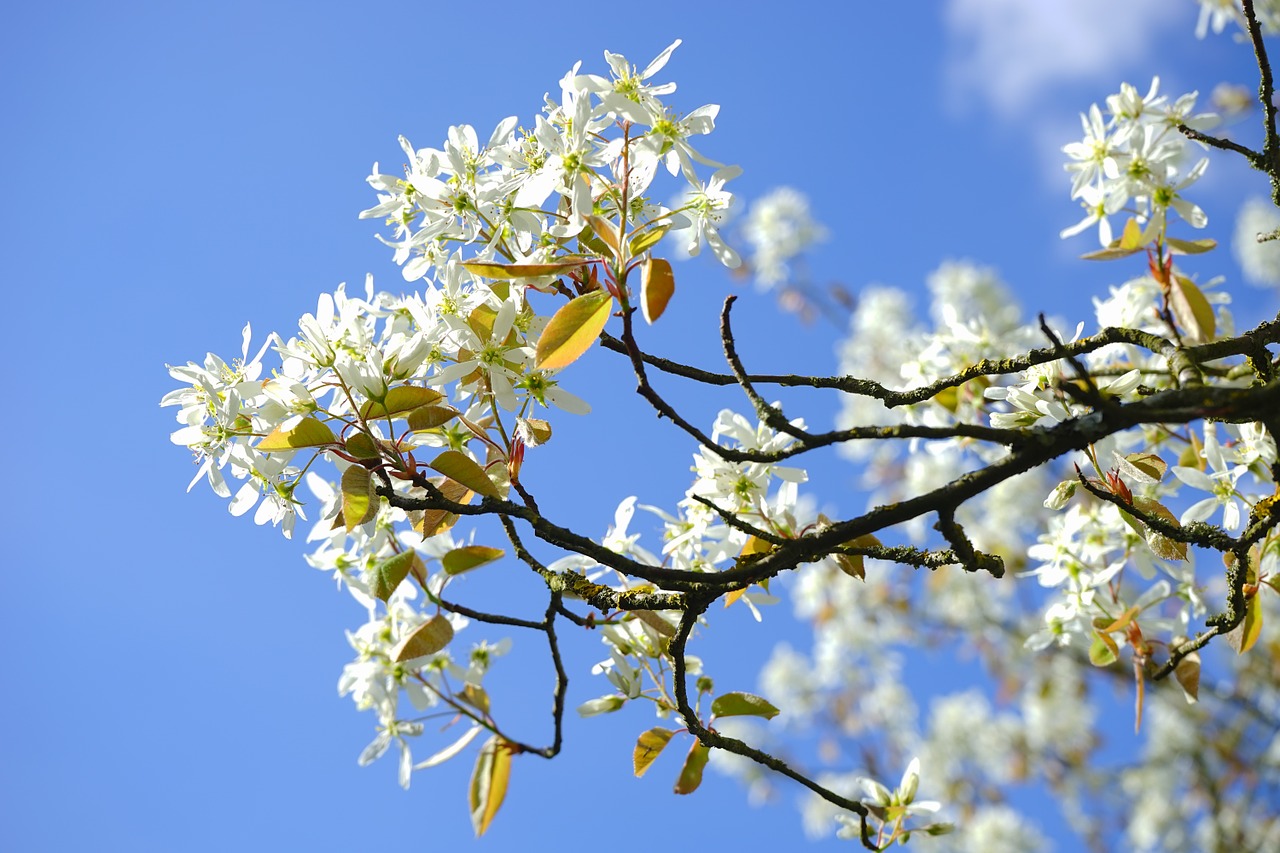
column 1103, row 651
column 1160, row 545
column 1143, row 467
column 490, row 269
column 307, row 432
column 1191, row 247
column 743, row 704
column 461, row 469
column 539, row 431
column 399, row 400
column 388, row 574
column 648, row 747
column 427, row 639
column 359, row 500
column 573, row 329
column 1131, row 236
column 430, row 417
column 1192, row 310
column 647, row 237
column 657, row 284
column 469, row 557
column 691, row 773
column 476, row 697
column 1244, row 635
column 361, row 446
column 1188, row 674
column 489, row 782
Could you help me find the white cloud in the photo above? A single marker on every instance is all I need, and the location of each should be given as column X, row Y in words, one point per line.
column 1007, row 52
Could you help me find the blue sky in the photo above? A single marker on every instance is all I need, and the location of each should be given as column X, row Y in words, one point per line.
column 173, row 170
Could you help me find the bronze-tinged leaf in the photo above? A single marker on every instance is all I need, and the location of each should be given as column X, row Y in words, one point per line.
column 1188, row 674
column 462, row 469
column 743, row 704
column 432, row 522
column 427, row 639
column 648, row 747
column 604, row 230
column 359, row 500
column 430, row 417
column 691, row 773
column 1192, row 310
column 399, row 401
column 573, row 329
column 657, row 284
column 307, row 432
column 489, row 783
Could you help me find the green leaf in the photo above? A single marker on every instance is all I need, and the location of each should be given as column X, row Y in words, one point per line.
column 489, row 782
column 1191, row 247
column 361, row 446
column 573, row 329
column 490, row 269
column 427, row 639
column 742, row 705
column 1103, row 651
column 657, row 284
column 430, row 417
column 307, row 432
column 1160, row 545
column 647, row 237
column 359, row 500
column 399, row 400
column 691, row 773
column 1192, row 310
column 648, row 747
column 388, row 574
column 469, row 557
column 1244, row 635
column 461, row 469
column 1131, row 236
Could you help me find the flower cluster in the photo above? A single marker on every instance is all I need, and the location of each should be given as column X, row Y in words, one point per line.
column 1133, row 158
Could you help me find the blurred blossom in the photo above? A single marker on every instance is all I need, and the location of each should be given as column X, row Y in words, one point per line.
column 1259, row 261
column 779, row 227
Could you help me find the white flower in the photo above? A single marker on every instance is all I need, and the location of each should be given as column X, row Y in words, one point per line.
column 1260, row 262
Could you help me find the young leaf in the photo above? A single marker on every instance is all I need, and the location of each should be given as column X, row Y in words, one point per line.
column 743, row 704
column 1142, row 467
column 399, row 400
column 489, row 782
column 691, row 773
column 1160, row 545
column 430, row 417
column 1193, row 311
column 1131, row 236
column 649, row 236
column 427, row 639
column 461, row 469
column 1103, row 651
column 648, row 747
column 573, row 329
column 490, row 269
column 435, row 521
column 1244, row 635
column 657, row 284
column 307, row 432
column 1191, row 247
column 361, row 446
column 388, row 574
column 469, row 557
column 359, row 500
column 603, row 229
column 1188, row 674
